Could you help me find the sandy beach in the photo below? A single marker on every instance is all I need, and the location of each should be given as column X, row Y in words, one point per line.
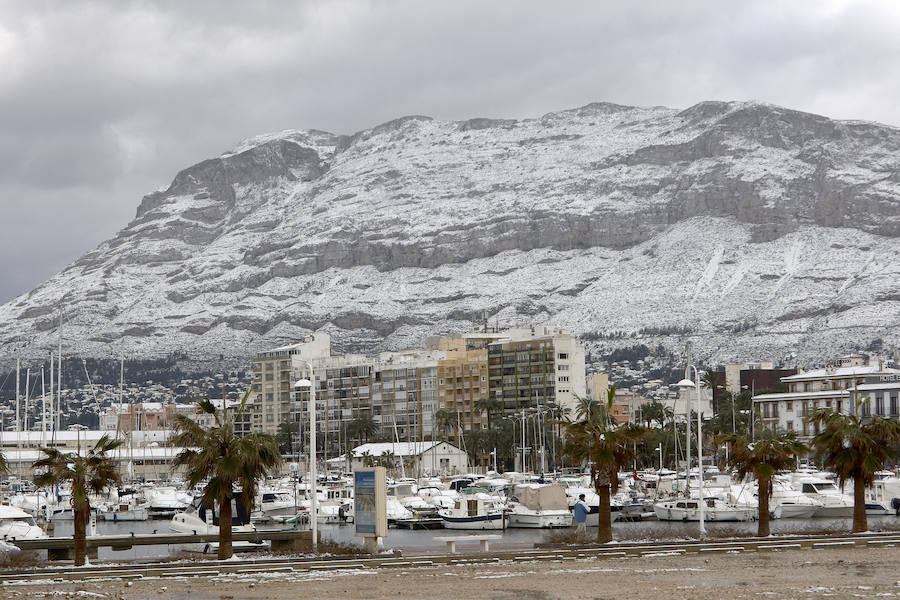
column 832, row 573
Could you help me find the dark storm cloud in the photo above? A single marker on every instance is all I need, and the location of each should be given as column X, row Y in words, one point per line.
column 102, row 102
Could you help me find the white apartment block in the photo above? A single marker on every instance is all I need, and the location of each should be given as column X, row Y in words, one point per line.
column 274, row 374
column 402, row 391
column 853, row 384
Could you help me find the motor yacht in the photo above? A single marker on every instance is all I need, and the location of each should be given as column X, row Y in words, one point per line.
column 835, row 504
column 16, row 524
column 477, row 511
column 715, row 509
column 165, row 502
column 199, row 519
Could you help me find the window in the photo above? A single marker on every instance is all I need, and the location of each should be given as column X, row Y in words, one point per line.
column 562, row 367
column 789, row 406
column 563, row 378
column 765, row 413
column 775, row 409
column 790, row 425
column 562, row 356
column 879, row 405
column 828, row 404
column 839, row 405
column 894, row 411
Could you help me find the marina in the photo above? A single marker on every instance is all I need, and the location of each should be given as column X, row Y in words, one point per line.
column 516, row 508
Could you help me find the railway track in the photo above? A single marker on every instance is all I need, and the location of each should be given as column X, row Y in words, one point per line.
column 301, row 564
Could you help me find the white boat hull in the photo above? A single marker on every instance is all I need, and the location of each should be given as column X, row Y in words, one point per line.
column 794, row 511
column 593, row 518
column 188, row 523
column 543, row 520
column 834, row 512
column 666, row 513
column 479, row 523
column 131, row 514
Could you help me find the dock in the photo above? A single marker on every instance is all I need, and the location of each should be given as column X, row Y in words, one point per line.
column 63, row 548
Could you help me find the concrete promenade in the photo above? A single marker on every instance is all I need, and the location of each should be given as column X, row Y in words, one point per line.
column 790, row 566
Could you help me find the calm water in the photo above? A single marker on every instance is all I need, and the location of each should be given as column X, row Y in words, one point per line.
column 423, row 541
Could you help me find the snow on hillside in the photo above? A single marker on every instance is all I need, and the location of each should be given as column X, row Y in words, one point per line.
column 755, row 230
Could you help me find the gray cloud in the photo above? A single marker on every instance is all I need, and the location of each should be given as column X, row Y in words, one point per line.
column 102, row 102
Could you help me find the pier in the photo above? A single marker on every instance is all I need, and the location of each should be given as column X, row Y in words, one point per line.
column 63, row 548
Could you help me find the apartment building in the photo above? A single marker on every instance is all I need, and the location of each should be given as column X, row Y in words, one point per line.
column 405, row 389
column 852, row 383
column 535, row 366
column 462, row 383
column 402, row 391
column 274, row 374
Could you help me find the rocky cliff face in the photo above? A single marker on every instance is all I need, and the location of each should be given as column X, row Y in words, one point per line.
column 756, row 230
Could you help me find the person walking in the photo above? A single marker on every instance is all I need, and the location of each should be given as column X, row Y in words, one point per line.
column 581, row 513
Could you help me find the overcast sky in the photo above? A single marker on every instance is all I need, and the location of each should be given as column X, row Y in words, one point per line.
column 102, row 102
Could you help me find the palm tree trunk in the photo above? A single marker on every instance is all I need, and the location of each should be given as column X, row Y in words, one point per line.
column 82, row 515
column 860, row 523
column 763, row 529
column 604, row 516
column 225, row 551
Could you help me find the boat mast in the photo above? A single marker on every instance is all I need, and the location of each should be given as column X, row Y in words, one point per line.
column 43, row 408
column 121, row 386
column 52, row 428
column 59, row 374
column 27, row 395
column 687, row 411
column 18, row 391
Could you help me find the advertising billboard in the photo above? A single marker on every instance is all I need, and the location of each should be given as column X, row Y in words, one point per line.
column 370, row 499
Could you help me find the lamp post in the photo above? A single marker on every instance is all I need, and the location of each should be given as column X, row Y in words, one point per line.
column 687, row 384
column 313, row 507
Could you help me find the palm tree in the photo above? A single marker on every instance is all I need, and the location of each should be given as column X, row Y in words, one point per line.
column 763, row 459
column 712, row 379
column 446, row 421
column 596, row 438
column 287, row 431
column 489, row 406
column 362, row 428
column 224, row 459
column 855, row 448
column 388, row 460
column 93, row 472
column 656, row 411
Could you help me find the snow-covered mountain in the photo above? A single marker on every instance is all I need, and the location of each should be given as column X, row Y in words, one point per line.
column 755, row 230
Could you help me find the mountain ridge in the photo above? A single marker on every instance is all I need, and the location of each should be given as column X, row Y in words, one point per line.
column 419, row 221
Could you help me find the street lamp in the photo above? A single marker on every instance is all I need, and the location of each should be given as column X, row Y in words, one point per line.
column 687, row 384
column 313, row 508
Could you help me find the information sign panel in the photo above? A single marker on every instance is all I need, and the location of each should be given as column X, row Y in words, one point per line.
column 370, row 499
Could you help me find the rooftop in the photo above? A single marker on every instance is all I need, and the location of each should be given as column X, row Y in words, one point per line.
column 397, row 449
column 838, row 372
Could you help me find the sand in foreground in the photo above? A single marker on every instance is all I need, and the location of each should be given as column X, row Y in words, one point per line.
column 832, row 573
